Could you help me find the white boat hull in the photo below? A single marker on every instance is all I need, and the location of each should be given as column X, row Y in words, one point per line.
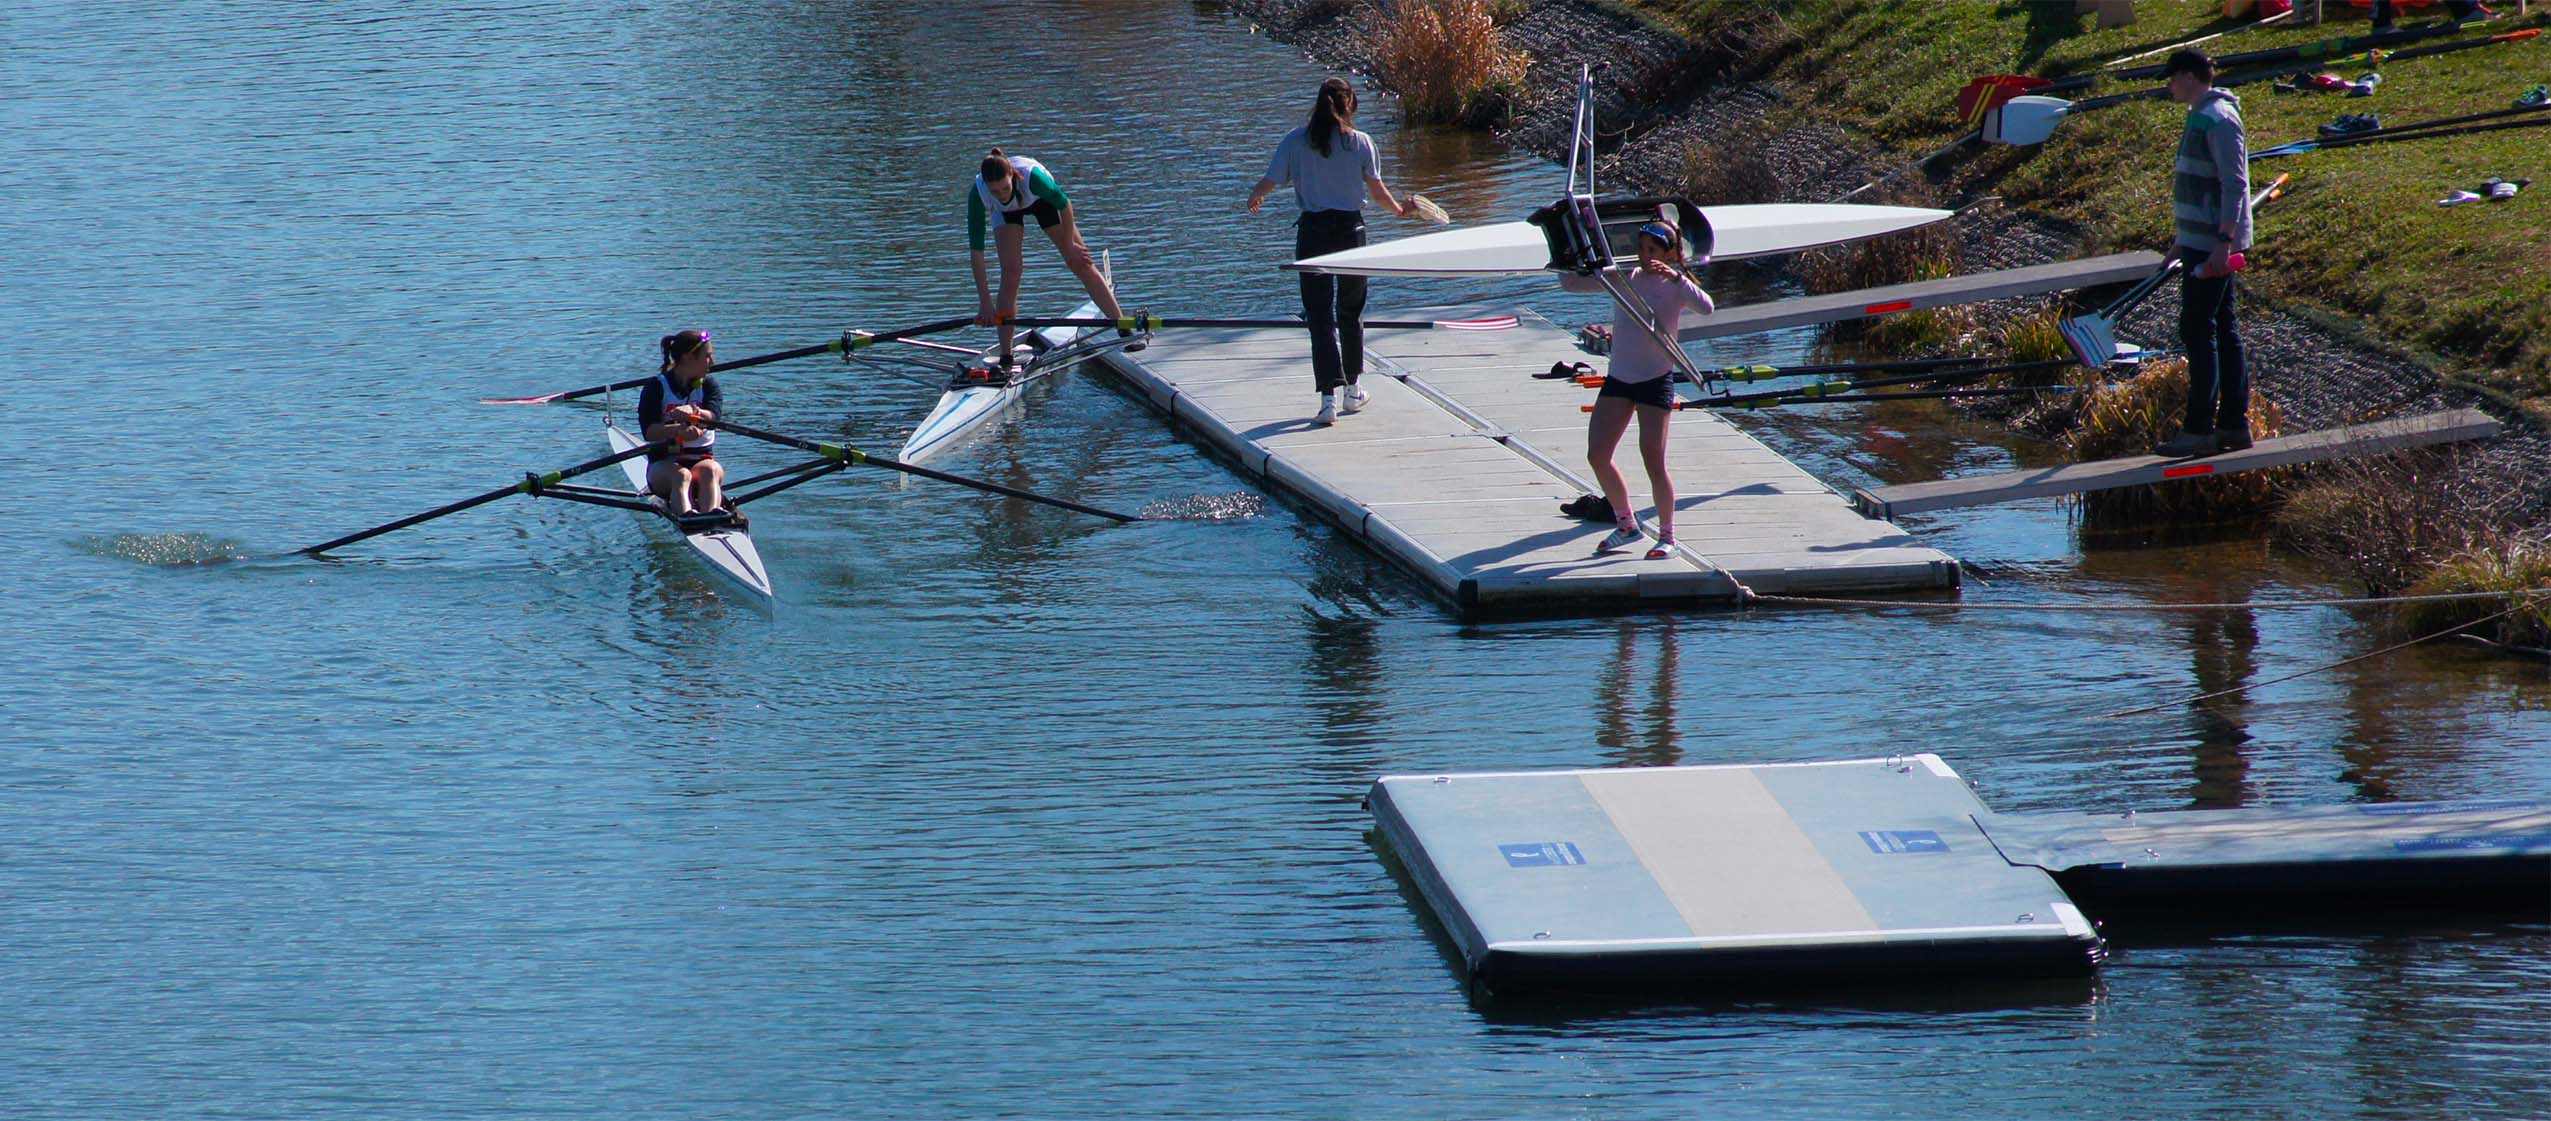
column 729, row 551
column 1518, row 248
column 962, row 413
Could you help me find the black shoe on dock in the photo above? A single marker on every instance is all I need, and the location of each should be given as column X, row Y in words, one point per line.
column 2232, row 440
column 2186, row 445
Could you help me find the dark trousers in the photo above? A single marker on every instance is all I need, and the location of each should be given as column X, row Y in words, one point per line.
column 2218, row 379
column 1334, row 305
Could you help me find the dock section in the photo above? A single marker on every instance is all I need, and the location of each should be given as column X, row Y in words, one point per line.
column 1457, row 469
column 1724, row 876
column 2375, row 438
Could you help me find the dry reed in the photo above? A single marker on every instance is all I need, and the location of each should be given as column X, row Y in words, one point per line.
column 2129, row 418
column 1446, row 59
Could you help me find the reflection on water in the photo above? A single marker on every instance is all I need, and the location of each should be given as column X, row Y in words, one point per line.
column 1635, row 713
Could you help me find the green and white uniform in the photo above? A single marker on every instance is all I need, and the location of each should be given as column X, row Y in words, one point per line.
column 1043, row 198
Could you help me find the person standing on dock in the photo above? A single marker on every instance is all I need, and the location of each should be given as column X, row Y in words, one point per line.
column 1331, row 168
column 1640, row 381
column 672, row 409
column 1017, row 188
column 2210, row 206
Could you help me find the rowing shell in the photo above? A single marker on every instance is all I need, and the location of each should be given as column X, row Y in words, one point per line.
column 729, row 551
column 963, row 409
column 1513, row 248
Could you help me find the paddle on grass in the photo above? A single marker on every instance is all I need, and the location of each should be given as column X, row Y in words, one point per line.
column 848, row 456
column 531, row 484
column 850, row 341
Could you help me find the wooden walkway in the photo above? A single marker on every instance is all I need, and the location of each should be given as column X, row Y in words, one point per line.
column 1457, row 469
column 2376, row 438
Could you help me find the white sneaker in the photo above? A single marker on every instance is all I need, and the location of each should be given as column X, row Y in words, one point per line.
column 1355, row 399
column 1328, row 413
column 1620, row 538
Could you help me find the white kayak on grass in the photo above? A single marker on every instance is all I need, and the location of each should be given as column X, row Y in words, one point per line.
column 964, row 409
column 729, row 551
column 1514, row 248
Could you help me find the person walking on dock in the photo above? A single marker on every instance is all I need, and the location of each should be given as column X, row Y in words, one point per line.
column 1017, row 188
column 1331, row 168
column 1640, row 381
column 2210, row 207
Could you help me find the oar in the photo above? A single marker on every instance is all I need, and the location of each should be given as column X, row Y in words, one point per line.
column 531, row 484
column 848, row 456
column 2031, row 118
column 1830, row 388
column 2379, row 56
column 1917, row 395
column 1155, row 322
column 1766, row 373
column 850, row 340
column 2392, row 132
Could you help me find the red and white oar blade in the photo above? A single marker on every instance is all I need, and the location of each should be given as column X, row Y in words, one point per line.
column 1492, row 323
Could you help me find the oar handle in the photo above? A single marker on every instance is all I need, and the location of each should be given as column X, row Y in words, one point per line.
column 531, row 484
column 851, row 455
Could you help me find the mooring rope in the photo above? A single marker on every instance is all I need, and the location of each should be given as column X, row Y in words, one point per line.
column 2395, row 647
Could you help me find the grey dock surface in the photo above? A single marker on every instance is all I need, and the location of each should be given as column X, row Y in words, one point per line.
column 2368, row 859
column 2375, row 438
column 2031, row 280
column 1457, row 469
column 1724, row 876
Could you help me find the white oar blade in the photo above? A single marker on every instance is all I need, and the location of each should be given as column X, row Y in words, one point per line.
column 2026, row 119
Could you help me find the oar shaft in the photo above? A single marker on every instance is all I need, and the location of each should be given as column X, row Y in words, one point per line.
column 852, row 340
column 1149, row 322
column 854, row 455
column 1764, row 373
column 528, row 485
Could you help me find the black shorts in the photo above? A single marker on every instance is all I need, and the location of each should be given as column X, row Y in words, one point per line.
column 1654, row 391
column 1046, row 215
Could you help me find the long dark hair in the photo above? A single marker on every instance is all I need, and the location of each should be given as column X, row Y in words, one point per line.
column 996, row 167
column 1333, row 112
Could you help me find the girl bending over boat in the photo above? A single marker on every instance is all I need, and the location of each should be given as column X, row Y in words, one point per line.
column 1640, row 383
column 1331, row 167
column 1008, row 190
column 674, row 407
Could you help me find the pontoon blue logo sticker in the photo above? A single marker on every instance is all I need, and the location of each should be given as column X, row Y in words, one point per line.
column 1903, row 840
column 1542, row 854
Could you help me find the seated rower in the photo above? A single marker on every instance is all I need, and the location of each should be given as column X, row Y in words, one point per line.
column 675, row 408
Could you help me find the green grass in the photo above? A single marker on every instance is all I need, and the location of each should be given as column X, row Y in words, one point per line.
column 2358, row 234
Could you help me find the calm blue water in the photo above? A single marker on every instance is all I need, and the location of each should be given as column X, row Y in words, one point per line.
column 1001, row 811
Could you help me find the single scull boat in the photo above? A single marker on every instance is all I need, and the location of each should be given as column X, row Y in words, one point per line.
column 725, row 547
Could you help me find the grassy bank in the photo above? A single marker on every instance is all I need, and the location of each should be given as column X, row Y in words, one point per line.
column 2358, row 236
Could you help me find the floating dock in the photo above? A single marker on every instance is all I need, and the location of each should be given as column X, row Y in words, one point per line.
column 1734, row 878
column 1457, row 470
column 2376, row 438
column 1630, row 879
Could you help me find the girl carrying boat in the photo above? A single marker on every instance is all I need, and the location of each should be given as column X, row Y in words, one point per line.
column 1640, row 381
column 674, row 408
column 1331, row 168
column 1008, row 190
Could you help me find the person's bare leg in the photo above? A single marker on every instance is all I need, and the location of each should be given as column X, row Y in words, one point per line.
column 1603, row 437
column 708, row 486
column 1011, row 241
column 1653, row 427
column 1076, row 256
column 671, row 482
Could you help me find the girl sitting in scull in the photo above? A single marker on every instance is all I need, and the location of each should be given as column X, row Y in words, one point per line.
column 674, row 408
column 1640, row 382
column 1017, row 188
